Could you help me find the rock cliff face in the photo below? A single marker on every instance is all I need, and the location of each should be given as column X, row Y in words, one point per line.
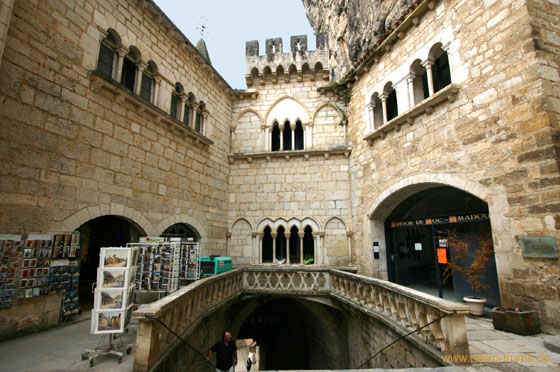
column 353, row 26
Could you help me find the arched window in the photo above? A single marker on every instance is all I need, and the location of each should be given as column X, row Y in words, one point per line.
column 419, row 82
column 287, row 136
column 267, row 75
column 299, row 142
column 275, row 137
column 267, row 245
column 107, row 54
column 295, row 250
column 147, row 86
column 440, row 69
column 128, row 76
column 199, row 123
column 280, row 245
column 308, row 246
column 280, row 73
column 376, row 111
column 391, row 101
column 176, row 101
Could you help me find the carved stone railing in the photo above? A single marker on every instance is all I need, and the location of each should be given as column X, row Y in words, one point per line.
column 400, row 308
column 271, row 280
column 181, row 311
column 405, row 307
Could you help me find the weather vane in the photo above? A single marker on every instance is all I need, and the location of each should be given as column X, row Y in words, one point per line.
column 202, row 28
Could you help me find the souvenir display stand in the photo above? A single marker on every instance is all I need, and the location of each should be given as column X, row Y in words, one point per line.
column 159, row 265
column 113, row 301
column 190, row 261
column 39, row 266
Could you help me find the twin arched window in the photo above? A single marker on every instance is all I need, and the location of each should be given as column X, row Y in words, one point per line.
column 183, row 106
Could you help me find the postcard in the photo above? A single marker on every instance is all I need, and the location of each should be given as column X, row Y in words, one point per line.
column 113, row 278
column 109, row 322
column 114, row 257
column 111, row 299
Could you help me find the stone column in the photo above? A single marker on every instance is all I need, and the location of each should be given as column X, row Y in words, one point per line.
column 228, row 242
column 320, row 247
column 293, row 128
column 274, row 235
column 255, row 258
column 181, row 108
column 117, row 74
column 281, row 128
column 157, row 83
column 140, row 67
column 371, row 108
column 231, row 139
column 260, row 248
column 287, row 235
column 428, row 65
column 309, row 143
column 203, row 122
column 349, row 235
column 410, row 83
column 301, row 235
column 384, row 105
column 266, row 137
column 192, row 114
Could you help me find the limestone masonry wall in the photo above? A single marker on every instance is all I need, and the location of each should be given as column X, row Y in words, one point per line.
column 497, row 139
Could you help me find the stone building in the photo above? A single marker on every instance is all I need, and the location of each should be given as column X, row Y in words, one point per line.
column 114, row 124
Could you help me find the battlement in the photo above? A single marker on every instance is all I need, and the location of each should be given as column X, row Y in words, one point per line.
column 275, row 65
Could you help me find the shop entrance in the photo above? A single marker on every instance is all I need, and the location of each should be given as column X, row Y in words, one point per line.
column 418, row 232
column 106, row 231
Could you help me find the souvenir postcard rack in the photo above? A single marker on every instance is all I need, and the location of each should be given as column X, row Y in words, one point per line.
column 158, row 266
column 190, row 261
column 113, row 300
column 40, row 265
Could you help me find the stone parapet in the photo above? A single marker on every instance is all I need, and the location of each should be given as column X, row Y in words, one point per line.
column 400, row 308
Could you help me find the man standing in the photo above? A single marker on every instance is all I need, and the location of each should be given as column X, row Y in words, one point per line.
column 226, row 353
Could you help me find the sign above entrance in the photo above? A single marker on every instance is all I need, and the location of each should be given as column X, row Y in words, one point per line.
column 459, row 218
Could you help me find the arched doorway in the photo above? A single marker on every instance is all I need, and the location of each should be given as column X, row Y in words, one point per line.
column 105, row 231
column 293, row 334
column 182, row 230
column 418, row 251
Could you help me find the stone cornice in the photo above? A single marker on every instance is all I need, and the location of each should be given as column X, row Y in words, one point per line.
column 287, row 155
column 447, row 94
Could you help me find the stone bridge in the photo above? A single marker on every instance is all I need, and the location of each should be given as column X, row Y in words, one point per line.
column 376, row 312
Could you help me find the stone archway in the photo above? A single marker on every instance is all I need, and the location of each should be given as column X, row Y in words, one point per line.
column 86, row 214
column 394, row 195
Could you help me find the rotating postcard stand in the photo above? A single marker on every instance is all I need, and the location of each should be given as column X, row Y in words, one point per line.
column 113, row 302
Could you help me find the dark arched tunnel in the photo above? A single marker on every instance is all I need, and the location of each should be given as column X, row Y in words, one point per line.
column 293, row 333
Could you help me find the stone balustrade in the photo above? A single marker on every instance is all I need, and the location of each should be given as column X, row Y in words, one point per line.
column 401, row 308
column 181, row 311
column 409, row 308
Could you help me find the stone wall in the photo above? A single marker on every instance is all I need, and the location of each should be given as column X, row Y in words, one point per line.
column 497, row 138
column 6, row 7
column 75, row 146
column 30, row 315
column 271, row 187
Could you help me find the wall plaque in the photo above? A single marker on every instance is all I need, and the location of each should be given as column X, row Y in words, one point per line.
column 539, row 246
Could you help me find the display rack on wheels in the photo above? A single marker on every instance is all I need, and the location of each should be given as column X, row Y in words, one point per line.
column 113, row 301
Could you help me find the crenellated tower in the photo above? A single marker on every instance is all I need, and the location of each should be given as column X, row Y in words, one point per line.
column 275, row 66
